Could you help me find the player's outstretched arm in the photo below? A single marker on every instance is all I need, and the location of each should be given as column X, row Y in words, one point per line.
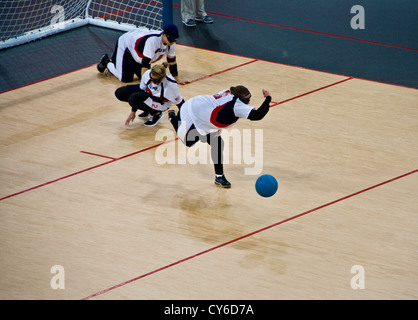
column 263, row 109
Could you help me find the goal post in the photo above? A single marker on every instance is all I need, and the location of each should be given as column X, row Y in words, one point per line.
column 22, row 21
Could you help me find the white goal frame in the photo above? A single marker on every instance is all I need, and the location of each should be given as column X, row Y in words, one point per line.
column 58, row 24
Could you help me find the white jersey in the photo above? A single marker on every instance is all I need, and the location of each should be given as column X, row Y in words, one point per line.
column 146, row 44
column 214, row 112
column 166, row 91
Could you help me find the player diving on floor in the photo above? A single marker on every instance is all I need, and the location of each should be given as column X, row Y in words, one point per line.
column 202, row 118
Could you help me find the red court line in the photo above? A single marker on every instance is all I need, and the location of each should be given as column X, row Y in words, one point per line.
column 56, row 180
column 99, row 155
column 152, row 147
column 82, row 171
column 306, row 93
column 247, row 235
column 310, row 31
column 222, row 71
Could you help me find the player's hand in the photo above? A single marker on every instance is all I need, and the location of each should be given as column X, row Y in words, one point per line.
column 265, row 93
column 130, row 118
column 218, row 133
column 182, row 82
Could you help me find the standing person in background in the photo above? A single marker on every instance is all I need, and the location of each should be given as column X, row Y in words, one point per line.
column 192, row 11
column 136, row 50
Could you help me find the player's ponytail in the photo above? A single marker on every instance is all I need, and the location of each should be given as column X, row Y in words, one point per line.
column 159, row 70
column 239, row 91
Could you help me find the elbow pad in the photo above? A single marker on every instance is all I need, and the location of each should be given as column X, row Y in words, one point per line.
column 171, row 59
column 173, row 70
column 146, row 62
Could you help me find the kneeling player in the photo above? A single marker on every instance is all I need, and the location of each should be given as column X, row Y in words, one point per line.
column 156, row 93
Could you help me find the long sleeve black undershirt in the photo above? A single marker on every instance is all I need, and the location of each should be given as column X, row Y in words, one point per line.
column 260, row 112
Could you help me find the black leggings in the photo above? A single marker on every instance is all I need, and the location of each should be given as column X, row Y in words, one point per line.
column 135, row 97
column 216, row 143
column 129, row 66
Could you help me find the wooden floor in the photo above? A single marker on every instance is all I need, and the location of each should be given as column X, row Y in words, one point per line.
column 82, row 191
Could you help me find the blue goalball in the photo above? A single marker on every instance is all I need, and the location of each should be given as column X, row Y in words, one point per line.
column 266, row 185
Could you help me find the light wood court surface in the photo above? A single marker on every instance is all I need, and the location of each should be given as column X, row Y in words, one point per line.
column 81, row 190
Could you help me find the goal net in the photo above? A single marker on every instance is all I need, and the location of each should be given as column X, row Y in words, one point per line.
column 22, row 21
